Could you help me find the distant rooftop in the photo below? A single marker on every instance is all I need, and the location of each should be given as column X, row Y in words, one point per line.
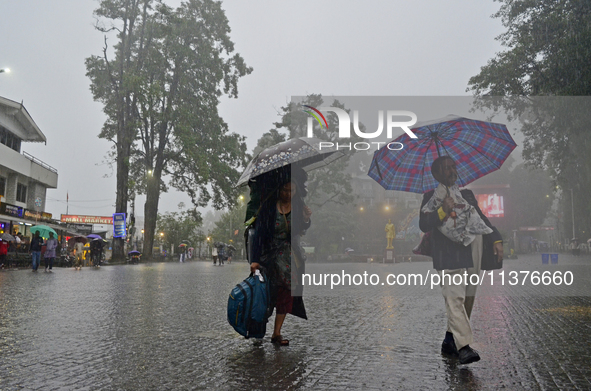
column 16, row 119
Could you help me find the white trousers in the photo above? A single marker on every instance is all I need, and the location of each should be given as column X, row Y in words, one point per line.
column 459, row 298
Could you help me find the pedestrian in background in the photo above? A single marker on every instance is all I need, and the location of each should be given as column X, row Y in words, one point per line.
column 79, row 248
column 214, row 254
column 50, row 249
column 3, row 252
column 35, row 250
column 17, row 242
column 457, row 226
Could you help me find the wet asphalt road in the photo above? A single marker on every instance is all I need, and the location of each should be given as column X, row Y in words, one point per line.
column 163, row 326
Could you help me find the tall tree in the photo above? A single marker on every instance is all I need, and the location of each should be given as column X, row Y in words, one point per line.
column 548, row 54
column 181, row 66
column 112, row 84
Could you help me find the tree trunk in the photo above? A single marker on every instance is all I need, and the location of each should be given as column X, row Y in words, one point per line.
column 150, row 213
column 123, row 152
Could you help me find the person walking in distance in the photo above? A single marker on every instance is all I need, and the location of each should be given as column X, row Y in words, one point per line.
column 50, row 248
column 35, row 250
column 79, row 247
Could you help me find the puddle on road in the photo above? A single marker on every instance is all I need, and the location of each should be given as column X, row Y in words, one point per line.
column 216, row 334
column 571, row 310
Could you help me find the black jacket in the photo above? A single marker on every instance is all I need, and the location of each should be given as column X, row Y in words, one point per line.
column 446, row 253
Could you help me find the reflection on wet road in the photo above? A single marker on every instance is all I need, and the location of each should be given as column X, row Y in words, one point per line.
column 163, row 326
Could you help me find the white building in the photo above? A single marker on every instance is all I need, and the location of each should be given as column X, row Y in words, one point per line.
column 24, row 180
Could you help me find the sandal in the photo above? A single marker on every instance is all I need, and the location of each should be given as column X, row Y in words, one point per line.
column 279, row 341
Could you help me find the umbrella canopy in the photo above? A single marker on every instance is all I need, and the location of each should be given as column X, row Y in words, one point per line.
column 134, row 252
column 7, row 237
column 94, row 236
column 76, row 239
column 43, row 230
column 182, row 245
column 477, row 147
column 305, row 151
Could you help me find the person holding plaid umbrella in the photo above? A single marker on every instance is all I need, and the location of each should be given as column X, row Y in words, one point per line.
column 443, row 155
column 457, row 226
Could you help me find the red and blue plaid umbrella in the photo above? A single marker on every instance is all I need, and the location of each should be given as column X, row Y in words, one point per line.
column 477, row 147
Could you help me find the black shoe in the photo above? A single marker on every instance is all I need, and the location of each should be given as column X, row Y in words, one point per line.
column 449, row 348
column 468, row 355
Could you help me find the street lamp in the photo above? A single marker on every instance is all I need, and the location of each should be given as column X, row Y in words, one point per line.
column 5, row 70
column 142, row 239
column 572, row 204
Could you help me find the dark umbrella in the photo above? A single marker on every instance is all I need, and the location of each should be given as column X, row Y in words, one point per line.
column 94, row 236
column 307, row 152
column 134, row 252
column 76, row 239
column 477, row 147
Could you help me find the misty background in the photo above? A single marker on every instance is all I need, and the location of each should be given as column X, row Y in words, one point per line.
column 295, row 48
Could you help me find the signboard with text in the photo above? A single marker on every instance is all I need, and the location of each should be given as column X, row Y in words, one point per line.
column 83, row 229
column 11, row 210
column 77, row 219
column 38, row 216
column 119, row 225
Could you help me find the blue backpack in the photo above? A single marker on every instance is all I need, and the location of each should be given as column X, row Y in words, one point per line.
column 248, row 304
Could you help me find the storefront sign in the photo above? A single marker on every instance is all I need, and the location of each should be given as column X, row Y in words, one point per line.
column 37, row 216
column 119, row 225
column 11, row 210
column 77, row 219
column 83, row 229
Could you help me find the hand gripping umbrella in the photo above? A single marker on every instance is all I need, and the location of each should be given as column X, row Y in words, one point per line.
column 477, row 147
column 307, row 152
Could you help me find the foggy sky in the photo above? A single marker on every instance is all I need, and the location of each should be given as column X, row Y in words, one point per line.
column 336, row 47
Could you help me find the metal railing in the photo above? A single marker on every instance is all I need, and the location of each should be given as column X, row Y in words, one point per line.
column 39, row 162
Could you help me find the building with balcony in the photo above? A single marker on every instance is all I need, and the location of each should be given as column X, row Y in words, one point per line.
column 24, row 180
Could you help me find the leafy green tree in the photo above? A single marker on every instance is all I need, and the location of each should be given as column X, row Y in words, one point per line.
column 112, row 83
column 230, row 227
column 179, row 227
column 272, row 137
column 177, row 66
column 548, row 54
column 330, row 184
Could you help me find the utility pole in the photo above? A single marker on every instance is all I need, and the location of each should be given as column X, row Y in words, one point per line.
column 572, row 204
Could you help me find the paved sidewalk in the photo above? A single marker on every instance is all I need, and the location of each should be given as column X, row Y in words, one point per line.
column 163, row 327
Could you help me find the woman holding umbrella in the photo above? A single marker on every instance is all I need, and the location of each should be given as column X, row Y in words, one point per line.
column 281, row 219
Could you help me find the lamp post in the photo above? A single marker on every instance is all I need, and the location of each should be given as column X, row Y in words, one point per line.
column 208, row 242
column 143, row 240
column 572, row 205
column 5, row 70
